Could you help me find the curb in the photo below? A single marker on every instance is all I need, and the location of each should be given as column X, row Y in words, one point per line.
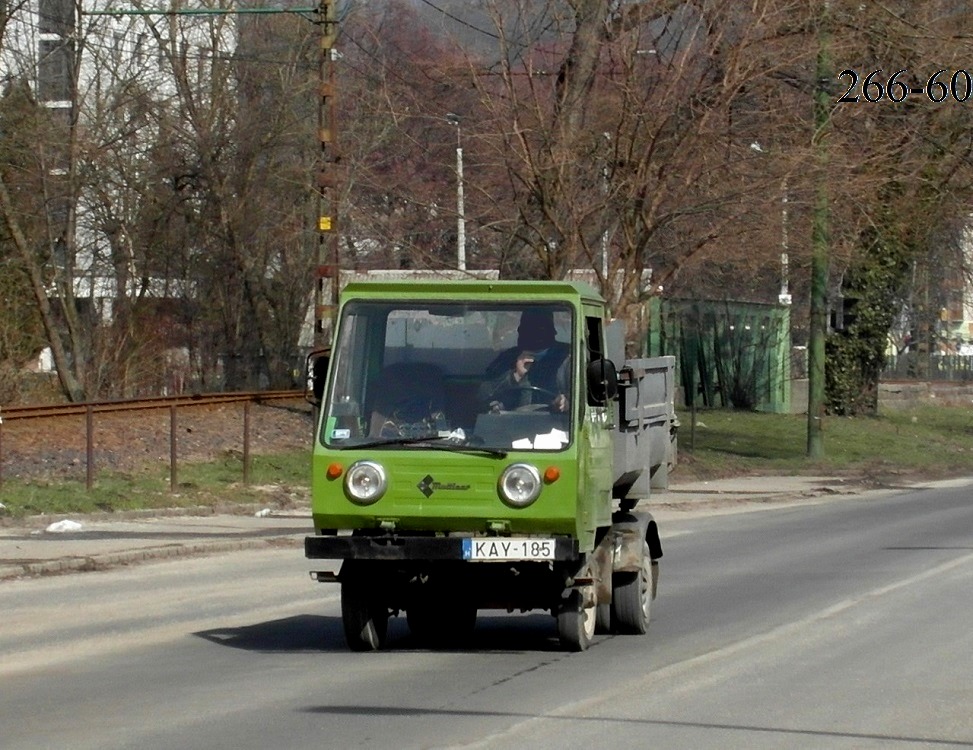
column 109, row 560
column 190, row 511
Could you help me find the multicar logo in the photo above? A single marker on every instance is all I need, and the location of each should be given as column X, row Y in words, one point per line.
column 428, row 485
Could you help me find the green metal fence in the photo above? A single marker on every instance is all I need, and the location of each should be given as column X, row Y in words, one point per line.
column 728, row 354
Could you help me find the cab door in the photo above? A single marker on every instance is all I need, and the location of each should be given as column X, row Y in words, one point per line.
column 595, row 447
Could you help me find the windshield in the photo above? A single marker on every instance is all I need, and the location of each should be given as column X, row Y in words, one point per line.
column 495, row 376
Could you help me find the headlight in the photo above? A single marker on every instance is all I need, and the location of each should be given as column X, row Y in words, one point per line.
column 365, row 482
column 520, row 484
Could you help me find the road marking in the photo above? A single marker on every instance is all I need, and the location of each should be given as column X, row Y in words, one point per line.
column 642, row 684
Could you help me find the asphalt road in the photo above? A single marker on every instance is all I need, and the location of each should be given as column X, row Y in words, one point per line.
column 841, row 624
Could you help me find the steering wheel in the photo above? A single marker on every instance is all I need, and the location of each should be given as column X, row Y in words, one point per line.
column 528, row 389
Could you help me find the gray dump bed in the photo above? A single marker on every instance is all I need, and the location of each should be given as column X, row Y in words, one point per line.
column 645, row 446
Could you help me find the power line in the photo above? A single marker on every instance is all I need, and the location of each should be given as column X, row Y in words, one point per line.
column 460, row 21
column 199, row 12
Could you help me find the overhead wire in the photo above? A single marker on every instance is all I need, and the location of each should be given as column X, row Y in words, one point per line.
column 460, row 21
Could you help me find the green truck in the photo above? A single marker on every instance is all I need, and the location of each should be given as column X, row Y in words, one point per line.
column 477, row 448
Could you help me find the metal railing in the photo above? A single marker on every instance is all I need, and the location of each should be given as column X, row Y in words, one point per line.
column 914, row 366
column 172, row 403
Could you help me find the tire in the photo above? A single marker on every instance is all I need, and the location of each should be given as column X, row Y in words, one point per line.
column 365, row 621
column 632, row 597
column 603, row 619
column 576, row 621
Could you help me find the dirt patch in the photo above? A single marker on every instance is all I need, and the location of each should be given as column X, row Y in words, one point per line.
column 133, row 441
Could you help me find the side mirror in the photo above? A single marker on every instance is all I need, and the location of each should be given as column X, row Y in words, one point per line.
column 602, row 382
column 316, row 372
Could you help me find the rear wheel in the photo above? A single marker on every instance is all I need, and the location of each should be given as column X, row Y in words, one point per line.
column 365, row 620
column 632, row 597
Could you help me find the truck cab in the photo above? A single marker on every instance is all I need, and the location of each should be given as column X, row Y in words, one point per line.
column 466, row 458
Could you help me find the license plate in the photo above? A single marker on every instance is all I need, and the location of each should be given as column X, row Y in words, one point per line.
column 504, row 548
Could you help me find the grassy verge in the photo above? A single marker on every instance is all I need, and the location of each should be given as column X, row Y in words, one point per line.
column 924, row 442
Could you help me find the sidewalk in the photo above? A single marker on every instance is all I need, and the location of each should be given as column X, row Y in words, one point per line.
column 29, row 548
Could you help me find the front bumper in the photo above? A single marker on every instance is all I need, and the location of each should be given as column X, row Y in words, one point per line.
column 408, row 548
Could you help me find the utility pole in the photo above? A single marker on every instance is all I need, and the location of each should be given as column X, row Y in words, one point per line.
column 454, row 120
column 329, row 261
column 820, row 242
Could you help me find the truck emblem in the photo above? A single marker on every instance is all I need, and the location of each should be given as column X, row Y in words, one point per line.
column 428, row 485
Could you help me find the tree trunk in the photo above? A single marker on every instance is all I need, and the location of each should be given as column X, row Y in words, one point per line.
column 70, row 385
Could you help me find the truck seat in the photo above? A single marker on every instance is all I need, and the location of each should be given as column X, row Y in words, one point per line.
column 407, row 400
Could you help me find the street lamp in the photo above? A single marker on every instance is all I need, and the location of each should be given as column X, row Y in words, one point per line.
column 784, row 297
column 604, row 234
column 453, row 119
column 785, row 293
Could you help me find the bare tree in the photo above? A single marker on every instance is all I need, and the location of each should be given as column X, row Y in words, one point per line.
column 37, row 185
column 399, row 83
column 200, row 193
column 626, row 133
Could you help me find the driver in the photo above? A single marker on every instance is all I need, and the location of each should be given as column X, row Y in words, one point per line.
column 535, row 371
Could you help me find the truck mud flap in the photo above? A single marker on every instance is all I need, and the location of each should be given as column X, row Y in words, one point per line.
column 407, row 548
column 628, row 531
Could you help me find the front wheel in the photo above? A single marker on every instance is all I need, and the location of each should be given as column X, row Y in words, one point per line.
column 603, row 619
column 576, row 618
column 365, row 620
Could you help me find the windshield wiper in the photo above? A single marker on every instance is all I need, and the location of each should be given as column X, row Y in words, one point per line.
column 436, row 442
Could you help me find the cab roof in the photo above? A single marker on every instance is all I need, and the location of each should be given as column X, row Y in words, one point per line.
column 473, row 289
